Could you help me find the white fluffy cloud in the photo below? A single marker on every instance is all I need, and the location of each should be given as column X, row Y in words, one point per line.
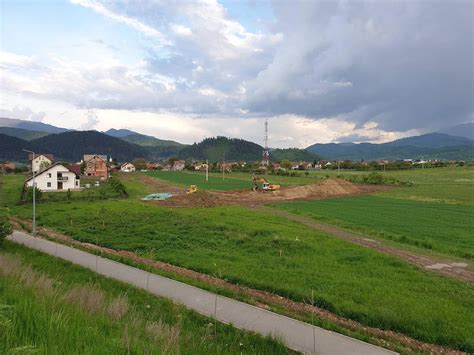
column 322, row 70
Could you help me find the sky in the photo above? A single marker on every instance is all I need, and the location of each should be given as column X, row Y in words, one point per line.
column 319, row 71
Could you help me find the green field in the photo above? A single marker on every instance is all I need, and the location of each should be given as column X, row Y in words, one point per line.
column 445, row 228
column 444, row 185
column 50, row 306
column 436, row 213
column 182, row 178
column 244, row 246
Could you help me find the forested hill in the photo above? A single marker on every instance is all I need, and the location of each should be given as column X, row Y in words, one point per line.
column 213, row 149
column 73, row 145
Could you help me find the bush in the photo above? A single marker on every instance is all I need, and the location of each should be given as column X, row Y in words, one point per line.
column 118, row 186
column 5, row 226
column 29, row 194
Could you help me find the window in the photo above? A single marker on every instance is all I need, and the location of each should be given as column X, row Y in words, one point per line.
column 48, row 184
column 49, row 175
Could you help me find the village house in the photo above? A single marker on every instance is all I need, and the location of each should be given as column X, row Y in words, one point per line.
column 227, row 167
column 153, row 166
column 55, row 177
column 127, row 167
column 40, row 161
column 178, row 165
column 6, row 166
column 200, row 166
column 96, row 166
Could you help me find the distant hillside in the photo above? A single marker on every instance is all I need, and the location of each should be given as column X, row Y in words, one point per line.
column 11, row 148
column 157, row 148
column 73, row 145
column 428, row 146
column 30, row 125
column 22, row 133
column 119, row 133
column 431, row 140
column 292, row 154
column 465, row 130
column 214, row 148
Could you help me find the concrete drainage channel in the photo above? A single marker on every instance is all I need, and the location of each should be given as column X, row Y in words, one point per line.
column 296, row 335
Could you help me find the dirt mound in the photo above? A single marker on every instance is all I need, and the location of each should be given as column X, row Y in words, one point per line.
column 200, row 198
column 325, row 188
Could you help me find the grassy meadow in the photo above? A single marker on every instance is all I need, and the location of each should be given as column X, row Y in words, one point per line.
column 182, row 178
column 233, row 243
column 50, row 306
column 444, row 228
column 436, row 213
column 269, row 253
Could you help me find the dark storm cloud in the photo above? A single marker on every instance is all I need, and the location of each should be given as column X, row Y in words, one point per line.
column 401, row 64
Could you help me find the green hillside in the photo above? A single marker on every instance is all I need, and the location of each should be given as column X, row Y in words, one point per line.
column 213, row 149
column 22, row 133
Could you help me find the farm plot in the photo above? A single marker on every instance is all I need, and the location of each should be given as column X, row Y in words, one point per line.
column 454, row 185
column 268, row 253
column 215, row 182
column 445, row 228
column 50, row 306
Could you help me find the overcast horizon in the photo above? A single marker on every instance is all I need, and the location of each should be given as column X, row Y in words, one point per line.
column 330, row 71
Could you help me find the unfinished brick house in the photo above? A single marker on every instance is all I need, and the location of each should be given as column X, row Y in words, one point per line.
column 96, row 166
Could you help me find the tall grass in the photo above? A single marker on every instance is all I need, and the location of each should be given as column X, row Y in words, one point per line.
column 49, row 306
column 445, row 228
column 273, row 254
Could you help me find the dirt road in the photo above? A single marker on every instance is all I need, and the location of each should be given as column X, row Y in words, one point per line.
column 448, row 268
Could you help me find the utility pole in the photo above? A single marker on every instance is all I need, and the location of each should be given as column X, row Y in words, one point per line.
column 207, row 170
column 223, row 161
column 266, row 152
column 34, row 191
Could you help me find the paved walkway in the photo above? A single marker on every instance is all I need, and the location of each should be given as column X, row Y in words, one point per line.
column 296, row 335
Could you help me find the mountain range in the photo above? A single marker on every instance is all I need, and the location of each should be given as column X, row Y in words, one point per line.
column 124, row 144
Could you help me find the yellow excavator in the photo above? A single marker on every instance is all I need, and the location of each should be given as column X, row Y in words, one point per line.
column 192, row 189
column 260, row 183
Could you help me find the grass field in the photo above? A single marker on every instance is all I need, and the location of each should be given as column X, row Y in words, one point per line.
column 444, row 185
column 442, row 227
column 182, row 178
column 244, row 247
column 50, row 306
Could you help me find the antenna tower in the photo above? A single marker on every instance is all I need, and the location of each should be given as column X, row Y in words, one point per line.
column 266, row 152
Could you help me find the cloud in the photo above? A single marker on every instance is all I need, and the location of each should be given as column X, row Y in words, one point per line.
column 22, row 113
column 401, row 64
column 132, row 22
column 359, row 69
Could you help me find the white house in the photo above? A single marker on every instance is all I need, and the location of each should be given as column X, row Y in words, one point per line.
column 54, row 178
column 178, row 165
column 127, row 167
column 41, row 161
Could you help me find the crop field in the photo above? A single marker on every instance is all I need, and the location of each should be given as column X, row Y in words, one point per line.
column 197, row 178
column 50, row 306
column 436, row 213
column 266, row 252
column 445, row 185
column 282, row 257
column 445, row 228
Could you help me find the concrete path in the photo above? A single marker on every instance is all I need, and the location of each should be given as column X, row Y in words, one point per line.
column 296, row 335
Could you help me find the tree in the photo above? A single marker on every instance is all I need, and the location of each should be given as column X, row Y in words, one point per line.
column 5, row 226
column 286, row 164
column 139, row 163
